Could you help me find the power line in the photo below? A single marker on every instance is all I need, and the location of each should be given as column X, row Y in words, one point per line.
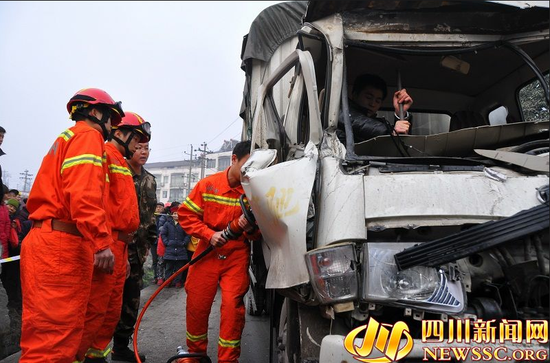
column 231, row 124
column 235, row 135
column 215, row 137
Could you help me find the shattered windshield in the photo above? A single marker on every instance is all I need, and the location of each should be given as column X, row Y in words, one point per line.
column 468, row 86
column 460, row 102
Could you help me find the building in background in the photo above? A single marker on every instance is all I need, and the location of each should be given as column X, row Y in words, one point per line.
column 176, row 179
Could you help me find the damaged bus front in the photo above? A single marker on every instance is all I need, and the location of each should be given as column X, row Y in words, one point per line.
column 447, row 223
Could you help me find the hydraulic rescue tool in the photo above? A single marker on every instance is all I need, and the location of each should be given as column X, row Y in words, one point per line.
column 231, row 232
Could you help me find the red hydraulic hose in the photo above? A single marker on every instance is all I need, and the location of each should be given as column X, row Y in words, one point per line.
column 161, row 287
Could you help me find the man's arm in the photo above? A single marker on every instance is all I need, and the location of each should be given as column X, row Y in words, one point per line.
column 83, row 179
column 365, row 128
column 163, row 233
column 190, row 215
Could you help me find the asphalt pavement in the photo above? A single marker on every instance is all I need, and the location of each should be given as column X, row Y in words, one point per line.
column 162, row 330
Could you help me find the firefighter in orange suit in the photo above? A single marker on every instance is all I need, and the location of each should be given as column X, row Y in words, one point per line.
column 105, row 302
column 213, row 203
column 70, row 234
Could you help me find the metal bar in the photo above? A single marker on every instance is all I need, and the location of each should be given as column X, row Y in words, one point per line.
column 475, row 239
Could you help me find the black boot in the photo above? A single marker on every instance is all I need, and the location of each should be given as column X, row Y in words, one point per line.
column 125, row 355
column 95, row 360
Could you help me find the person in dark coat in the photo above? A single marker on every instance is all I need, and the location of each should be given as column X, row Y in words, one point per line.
column 11, row 271
column 158, row 214
column 366, row 98
column 2, row 190
column 161, row 265
column 175, row 241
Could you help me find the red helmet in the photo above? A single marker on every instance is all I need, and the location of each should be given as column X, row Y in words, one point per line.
column 95, row 96
column 134, row 121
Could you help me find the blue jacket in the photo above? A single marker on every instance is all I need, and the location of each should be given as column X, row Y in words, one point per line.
column 175, row 240
column 160, row 220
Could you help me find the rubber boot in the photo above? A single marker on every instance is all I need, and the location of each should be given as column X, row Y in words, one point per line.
column 95, row 360
column 125, row 355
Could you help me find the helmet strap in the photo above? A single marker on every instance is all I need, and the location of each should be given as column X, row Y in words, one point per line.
column 102, row 123
column 104, row 129
column 125, row 144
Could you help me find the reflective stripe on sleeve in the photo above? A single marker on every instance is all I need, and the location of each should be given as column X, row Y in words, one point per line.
column 81, row 159
column 192, row 206
column 117, row 169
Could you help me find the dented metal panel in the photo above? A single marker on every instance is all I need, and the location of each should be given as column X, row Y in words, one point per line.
column 333, row 30
column 456, row 143
column 340, row 205
column 279, row 196
column 414, row 200
column 261, row 124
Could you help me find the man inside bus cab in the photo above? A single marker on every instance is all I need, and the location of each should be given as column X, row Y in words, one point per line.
column 366, row 98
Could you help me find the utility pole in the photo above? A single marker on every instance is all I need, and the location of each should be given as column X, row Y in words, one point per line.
column 190, row 169
column 26, row 177
column 203, row 158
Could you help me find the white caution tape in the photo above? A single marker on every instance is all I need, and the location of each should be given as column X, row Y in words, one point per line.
column 10, row 259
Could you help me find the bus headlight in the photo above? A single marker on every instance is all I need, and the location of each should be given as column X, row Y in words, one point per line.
column 420, row 287
column 333, row 272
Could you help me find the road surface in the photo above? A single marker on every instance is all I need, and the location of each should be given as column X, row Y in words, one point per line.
column 162, row 330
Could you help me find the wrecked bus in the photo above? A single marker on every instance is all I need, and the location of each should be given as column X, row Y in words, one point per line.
column 447, row 223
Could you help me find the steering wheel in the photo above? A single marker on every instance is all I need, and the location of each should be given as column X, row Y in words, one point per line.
column 536, row 147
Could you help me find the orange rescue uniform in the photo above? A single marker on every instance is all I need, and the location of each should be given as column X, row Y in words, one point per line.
column 57, row 256
column 209, row 208
column 105, row 303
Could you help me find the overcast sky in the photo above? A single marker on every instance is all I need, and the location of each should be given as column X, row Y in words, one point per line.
column 177, row 64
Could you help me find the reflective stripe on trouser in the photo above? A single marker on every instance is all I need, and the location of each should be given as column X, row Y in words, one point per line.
column 56, row 276
column 104, row 306
column 201, row 286
column 99, row 353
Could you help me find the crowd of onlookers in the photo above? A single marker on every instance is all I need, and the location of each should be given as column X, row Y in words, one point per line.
column 14, row 226
column 174, row 248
